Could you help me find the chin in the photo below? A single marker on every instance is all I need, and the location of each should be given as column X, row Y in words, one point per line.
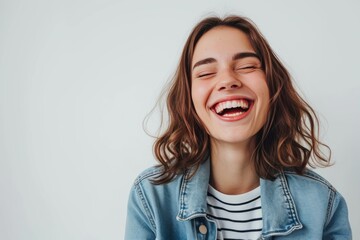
column 232, row 139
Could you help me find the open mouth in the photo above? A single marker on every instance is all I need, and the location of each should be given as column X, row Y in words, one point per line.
column 232, row 108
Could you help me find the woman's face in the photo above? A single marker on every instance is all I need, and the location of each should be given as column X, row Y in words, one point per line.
column 228, row 86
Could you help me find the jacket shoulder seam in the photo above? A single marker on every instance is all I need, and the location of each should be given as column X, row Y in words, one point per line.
column 145, row 204
column 313, row 176
column 147, row 174
column 330, row 206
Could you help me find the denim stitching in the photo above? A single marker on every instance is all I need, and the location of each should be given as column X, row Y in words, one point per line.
column 142, row 197
column 147, row 175
column 296, row 222
column 330, row 207
column 145, row 205
column 332, row 190
column 315, row 177
column 183, row 194
column 289, row 199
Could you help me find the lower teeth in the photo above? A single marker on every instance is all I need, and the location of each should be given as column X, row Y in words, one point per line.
column 233, row 114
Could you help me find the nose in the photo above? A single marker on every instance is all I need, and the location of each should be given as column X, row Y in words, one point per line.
column 228, row 82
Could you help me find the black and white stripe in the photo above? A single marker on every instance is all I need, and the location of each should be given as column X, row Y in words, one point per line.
column 236, row 216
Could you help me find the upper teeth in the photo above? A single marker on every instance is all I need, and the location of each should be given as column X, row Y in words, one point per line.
column 231, row 104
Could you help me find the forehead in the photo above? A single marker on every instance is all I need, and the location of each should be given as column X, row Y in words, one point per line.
column 222, row 41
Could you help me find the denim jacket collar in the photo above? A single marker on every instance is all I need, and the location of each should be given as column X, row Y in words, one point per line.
column 279, row 211
column 193, row 193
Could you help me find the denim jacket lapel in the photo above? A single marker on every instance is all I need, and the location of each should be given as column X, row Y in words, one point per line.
column 193, row 193
column 279, row 212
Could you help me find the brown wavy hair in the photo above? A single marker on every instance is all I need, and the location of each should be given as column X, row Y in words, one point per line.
column 288, row 140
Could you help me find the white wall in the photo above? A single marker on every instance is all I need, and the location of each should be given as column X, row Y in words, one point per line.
column 78, row 77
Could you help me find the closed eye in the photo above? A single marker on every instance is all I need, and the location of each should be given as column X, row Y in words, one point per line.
column 202, row 75
column 247, row 68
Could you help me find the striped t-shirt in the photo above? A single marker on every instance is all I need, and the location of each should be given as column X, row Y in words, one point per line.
column 236, row 216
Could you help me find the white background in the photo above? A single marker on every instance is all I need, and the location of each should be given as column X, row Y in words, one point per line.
column 78, row 77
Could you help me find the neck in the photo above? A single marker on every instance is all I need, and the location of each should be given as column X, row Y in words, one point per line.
column 232, row 171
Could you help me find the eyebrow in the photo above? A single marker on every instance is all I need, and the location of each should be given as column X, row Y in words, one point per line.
column 237, row 56
column 245, row 55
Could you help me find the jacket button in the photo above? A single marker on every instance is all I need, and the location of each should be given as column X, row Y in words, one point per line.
column 203, row 229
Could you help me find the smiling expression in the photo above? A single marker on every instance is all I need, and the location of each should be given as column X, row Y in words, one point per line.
column 228, row 86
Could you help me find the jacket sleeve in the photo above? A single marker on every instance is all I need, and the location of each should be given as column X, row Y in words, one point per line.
column 139, row 222
column 338, row 226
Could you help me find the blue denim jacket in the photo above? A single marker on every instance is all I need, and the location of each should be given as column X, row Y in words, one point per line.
column 293, row 207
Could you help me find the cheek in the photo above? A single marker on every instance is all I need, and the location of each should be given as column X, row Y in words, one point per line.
column 260, row 88
column 199, row 95
column 265, row 104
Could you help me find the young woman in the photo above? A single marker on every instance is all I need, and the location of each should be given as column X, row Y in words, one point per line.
column 235, row 154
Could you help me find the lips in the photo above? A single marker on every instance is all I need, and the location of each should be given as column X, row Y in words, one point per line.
column 232, row 108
